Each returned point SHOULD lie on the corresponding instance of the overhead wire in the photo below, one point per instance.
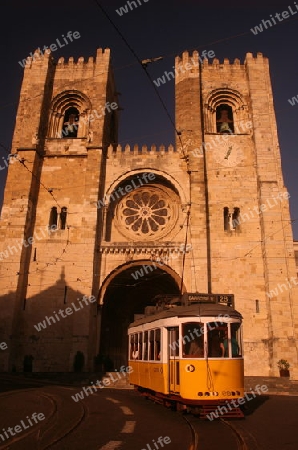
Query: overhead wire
(168, 55)
(22, 161)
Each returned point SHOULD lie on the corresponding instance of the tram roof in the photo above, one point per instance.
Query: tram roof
(195, 310)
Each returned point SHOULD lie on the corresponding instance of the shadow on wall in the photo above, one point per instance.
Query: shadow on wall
(50, 332)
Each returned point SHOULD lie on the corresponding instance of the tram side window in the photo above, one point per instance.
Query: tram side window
(193, 340)
(140, 346)
(174, 341)
(154, 345)
(151, 345)
(134, 351)
(146, 346)
(157, 346)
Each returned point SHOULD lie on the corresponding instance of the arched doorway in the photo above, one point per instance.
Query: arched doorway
(126, 296)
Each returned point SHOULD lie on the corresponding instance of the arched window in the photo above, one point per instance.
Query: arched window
(70, 123)
(236, 218)
(226, 112)
(53, 219)
(231, 220)
(224, 119)
(226, 218)
(63, 216)
(70, 115)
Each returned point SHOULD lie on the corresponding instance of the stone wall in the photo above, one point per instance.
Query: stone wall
(131, 207)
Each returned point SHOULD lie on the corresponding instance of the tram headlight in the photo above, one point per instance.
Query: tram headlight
(190, 368)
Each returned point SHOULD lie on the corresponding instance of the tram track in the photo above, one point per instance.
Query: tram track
(45, 430)
(247, 439)
(75, 424)
(35, 429)
(203, 438)
(240, 440)
(207, 436)
(204, 434)
(194, 436)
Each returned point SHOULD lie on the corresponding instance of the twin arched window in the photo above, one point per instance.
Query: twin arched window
(54, 223)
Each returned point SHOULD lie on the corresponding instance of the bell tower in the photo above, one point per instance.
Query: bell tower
(234, 157)
(66, 119)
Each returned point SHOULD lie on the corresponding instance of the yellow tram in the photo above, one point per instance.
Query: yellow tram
(189, 351)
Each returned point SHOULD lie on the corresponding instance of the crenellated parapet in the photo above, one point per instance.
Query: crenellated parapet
(39, 58)
(187, 66)
(259, 59)
(227, 67)
(102, 57)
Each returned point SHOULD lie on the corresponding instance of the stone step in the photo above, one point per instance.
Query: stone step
(275, 385)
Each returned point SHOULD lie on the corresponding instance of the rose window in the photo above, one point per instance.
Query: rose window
(146, 212)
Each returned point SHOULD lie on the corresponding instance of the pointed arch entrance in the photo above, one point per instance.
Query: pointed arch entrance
(124, 295)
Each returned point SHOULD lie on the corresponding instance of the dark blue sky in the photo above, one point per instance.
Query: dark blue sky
(155, 28)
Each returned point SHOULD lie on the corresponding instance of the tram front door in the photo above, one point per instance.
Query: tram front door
(174, 363)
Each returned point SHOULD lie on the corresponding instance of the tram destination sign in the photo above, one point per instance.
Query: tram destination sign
(197, 297)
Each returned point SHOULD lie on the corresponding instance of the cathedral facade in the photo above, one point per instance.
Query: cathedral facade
(91, 231)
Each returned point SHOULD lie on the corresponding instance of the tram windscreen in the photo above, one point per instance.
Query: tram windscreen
(224, 340)
(193, 340)
(214, 337)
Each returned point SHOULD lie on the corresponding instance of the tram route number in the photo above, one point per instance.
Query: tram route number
(224, 299)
